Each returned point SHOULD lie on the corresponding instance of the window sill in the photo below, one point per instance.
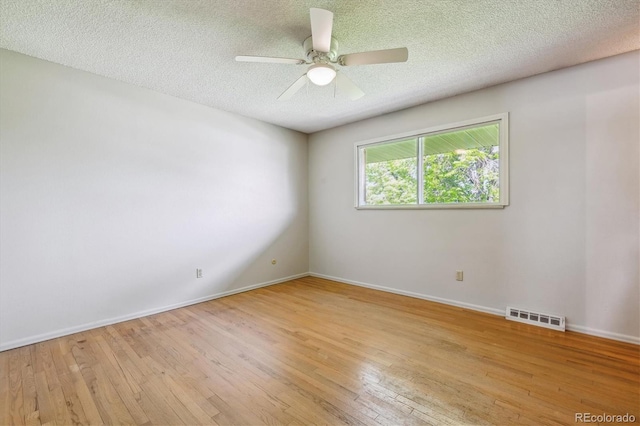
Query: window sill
(432, 206)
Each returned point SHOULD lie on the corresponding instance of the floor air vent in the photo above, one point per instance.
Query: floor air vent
(536, 318)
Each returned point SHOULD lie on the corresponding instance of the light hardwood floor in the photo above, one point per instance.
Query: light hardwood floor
(315, 351)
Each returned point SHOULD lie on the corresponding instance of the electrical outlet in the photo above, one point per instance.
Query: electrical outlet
(459, 275)
(198, 273)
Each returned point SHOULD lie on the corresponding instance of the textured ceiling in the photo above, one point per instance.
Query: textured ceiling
(187, 48)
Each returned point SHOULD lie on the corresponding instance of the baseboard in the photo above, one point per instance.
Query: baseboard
(416, 295)
(500, 312)
(70, 330)
(602, 333)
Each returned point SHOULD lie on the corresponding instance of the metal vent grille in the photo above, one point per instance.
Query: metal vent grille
(536, 318)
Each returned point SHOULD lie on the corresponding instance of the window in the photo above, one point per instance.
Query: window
(461, 165)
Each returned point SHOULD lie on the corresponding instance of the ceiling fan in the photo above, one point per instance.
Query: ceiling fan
(321, 52)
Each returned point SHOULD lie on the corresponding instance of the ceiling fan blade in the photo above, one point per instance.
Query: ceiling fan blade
(293, 89)
(347, 86)
(270, 60)
(321, 27)
(400, 54)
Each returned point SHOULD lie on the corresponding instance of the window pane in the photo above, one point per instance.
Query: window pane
(459, 165)
(390, 172)
(462, 166)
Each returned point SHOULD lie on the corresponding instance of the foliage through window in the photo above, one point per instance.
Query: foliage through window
(461, 165)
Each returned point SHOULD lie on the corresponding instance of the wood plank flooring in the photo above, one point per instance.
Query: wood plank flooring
(315, 351)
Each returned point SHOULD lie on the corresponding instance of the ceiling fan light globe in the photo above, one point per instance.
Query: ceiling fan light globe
(321, 74)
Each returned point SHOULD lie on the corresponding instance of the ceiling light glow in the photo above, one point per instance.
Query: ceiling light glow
(321, 74)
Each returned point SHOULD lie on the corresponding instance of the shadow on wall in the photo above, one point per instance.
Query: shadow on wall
(246, 205)
(113, 195)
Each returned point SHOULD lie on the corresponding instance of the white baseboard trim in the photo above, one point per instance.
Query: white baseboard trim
(84, 327)
(412, 294)
(602, 333)
(500, 312)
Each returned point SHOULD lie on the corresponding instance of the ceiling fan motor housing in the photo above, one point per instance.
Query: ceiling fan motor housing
(320, 57)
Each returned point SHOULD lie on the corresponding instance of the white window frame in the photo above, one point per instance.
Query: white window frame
(502, 119)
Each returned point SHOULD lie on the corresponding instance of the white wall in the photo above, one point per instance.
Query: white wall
(112, 195)
(567, 244)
